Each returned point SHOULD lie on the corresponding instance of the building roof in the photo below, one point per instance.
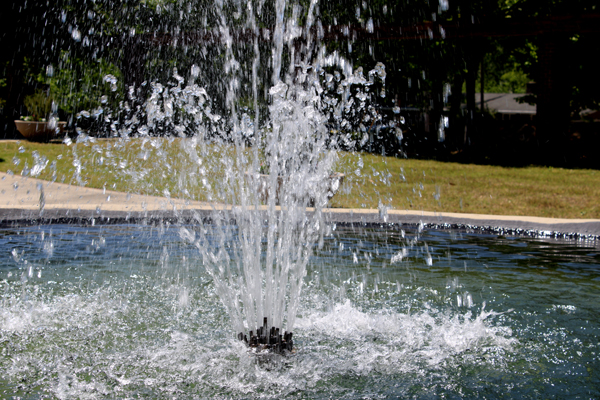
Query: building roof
(506, 103)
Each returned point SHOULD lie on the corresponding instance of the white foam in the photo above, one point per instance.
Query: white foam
(386, 339)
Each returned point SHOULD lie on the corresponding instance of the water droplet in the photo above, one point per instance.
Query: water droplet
(112, 80)
(76, 34)
(195, 71)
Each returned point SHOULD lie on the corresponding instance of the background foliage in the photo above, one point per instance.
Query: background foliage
(69, 46)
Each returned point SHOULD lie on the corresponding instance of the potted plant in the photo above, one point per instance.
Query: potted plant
(39, 125)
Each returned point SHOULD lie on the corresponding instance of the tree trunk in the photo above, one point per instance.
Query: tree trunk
(482, 85)
(133, 63)
(553, 97)
(15, 94)
(456, 135)
(471, 78)
(437, 109)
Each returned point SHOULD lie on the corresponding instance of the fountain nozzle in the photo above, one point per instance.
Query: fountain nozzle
(269, 340)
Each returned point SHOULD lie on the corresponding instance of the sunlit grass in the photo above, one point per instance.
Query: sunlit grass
(168, 167)
(467, 188)
(157, 166)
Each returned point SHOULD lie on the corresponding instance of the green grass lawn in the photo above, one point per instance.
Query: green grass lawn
(165, 167)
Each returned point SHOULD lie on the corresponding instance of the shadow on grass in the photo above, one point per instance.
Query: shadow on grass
(516, 147)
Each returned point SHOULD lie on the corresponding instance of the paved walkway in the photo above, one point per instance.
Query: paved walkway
(17, 192)
(29, 199)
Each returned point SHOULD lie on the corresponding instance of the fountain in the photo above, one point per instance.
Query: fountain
(125, 311)
(203, 303)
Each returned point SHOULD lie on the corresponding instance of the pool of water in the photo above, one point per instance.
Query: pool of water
(129, 312)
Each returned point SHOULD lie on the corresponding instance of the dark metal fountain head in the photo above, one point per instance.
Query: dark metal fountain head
(269, 340)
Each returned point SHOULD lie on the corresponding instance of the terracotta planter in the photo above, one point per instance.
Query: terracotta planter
(39, 131)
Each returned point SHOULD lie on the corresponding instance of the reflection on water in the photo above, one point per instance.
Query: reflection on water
(129, 311)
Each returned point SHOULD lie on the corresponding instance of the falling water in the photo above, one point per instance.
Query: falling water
(275, 164)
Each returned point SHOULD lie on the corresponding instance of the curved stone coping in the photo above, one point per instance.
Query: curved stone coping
(21, 199)
(586, 227)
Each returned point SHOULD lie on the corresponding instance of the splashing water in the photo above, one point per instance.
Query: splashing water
(275, 159)
(132, 311)
(115, 311)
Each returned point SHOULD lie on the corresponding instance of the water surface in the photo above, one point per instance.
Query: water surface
(129, 312)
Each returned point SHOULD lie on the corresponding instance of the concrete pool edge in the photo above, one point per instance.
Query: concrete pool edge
(27, 201)
(564, 226)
